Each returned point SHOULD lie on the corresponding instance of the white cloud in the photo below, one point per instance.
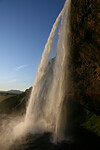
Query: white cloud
(12, 81)
(20, 67)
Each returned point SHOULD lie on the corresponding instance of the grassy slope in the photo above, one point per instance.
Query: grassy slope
(9, 104)
(91, 122)
(4, 96)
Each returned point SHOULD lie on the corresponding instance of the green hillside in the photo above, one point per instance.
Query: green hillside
(4, 96)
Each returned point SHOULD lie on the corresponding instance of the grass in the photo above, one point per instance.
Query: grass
(10, 103)
(92, 122)
(5, 96)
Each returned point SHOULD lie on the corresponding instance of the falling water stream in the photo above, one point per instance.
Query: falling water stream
(46, 101)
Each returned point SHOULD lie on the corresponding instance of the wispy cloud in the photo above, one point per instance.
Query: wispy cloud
(21, 67)
(12, 81)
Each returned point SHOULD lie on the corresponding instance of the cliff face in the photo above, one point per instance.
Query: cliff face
(85, 48)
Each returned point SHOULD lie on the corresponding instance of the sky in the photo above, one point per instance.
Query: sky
(24, 29)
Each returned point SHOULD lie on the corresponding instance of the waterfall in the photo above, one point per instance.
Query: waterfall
(44, 110)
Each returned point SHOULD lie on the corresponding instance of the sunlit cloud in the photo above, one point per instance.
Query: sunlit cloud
(20, 67)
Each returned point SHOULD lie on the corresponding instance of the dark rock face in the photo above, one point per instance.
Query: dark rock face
(85, 49)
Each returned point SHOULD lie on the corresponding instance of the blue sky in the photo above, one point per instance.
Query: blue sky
(24, 28)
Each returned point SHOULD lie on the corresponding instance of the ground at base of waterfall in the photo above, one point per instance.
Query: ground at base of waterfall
(84, 140)
(85, 137)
